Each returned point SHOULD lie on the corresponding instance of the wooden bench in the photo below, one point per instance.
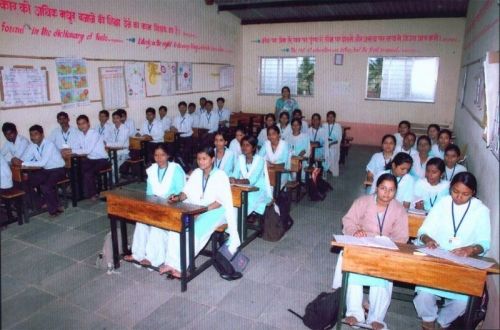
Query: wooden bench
(15, 196)
(105, 179)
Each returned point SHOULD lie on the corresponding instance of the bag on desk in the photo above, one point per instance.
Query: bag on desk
(105, 258)
(228, 265)
(322, 312)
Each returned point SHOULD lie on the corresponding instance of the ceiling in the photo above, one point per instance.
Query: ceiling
(284, 11)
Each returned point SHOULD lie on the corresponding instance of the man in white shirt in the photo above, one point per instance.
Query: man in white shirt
(5, 175)
(64, 137)
(118, 137)
(223, 113)
(129, 122)
(166, 122)
(194, 114)
(201, 110)
(90, 145)
(209, 120)
(16, 144)
(183, 125)
(104, 125)
(43, 153)
(151, 129)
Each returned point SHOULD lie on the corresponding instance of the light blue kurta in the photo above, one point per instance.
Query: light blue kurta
(475, 229)
(405, 187)
(430, 194)
(171, 184)
(319, 135)
(226, 163)
(280, 156)
(254, 173)
(287, 105)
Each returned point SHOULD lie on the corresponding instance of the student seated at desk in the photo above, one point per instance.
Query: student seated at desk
(43, 153)
(298, 142)
(460, 223)
(297, 114)
(251, 169)
(223, 113)
(209, 120)
(152, 128)
(165, 121)
(444, 141)
(319, 137)
(104, 125)
(379, 160)
(118, 137)
(16, 145)
(421, 157)
(270, 120)
(207, 186)
(433, 133)
(235, 145)
(65, 137)
(284, 125)
(400, 167)
(165, 178)
(183, 124)
(403, 128)
(276, 151)
(191, 109)
(90, 145)
(334, 134)
(129, 122)
(451, 157)
(202, 109)
(372, 215)
(408, 144)
(224, 158)
(429, 190)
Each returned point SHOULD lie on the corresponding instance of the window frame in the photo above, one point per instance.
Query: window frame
(400, 100)
(259, 93)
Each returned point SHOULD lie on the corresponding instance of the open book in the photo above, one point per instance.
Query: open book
(448, 255)
(377, 241)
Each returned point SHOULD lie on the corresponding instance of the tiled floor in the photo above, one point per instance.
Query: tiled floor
(49, 279)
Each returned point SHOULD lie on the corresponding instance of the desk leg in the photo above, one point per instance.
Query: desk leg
(469, 312)
(115, 164)
(244, 214)
(74, 178)
(277, 189)
(123, 231)
(191, 267)
(183, 258)
(114, 241)
(343, 294)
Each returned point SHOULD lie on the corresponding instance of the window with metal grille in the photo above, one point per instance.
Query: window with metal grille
(295, 72)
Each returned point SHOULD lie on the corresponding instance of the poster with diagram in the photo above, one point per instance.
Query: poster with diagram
(153, 78)
(134, 77)
(23, 86)
(168, 76)
(72, 82)
(185, 76)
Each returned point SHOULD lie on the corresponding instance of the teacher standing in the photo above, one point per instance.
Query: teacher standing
(285, 103)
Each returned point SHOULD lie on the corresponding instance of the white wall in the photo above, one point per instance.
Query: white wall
(481, 36)
(343, 88)
(197, 24)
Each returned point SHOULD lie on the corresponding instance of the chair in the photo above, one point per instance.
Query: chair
(15, 196)
(105, 179)
(296, 167)
(345, 144)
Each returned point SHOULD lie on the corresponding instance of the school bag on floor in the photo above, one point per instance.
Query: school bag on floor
(230, 266)
(277, 219)
(322, 312)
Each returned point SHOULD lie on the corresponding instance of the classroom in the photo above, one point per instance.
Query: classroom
(309, 124)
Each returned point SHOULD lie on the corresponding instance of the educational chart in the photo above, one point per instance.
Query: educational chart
(153, 79)
(185, 76)
(134, 76)
(168, 77)
(24, 86)
(226, 77)
(491, 75)
(113, 89)
(73, 83)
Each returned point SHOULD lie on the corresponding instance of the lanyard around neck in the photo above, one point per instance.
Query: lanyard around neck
(150, 127)
(455, 228)
(452, 173)
(218, 163)
(65, 136)
(381, 223)
(164, 172)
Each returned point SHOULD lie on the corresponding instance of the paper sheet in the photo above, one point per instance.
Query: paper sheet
(377, 241)
(444, 254)
(416, 211)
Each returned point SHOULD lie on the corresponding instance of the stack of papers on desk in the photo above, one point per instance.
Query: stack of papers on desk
(417, 212)
(241, 185)
(377, 241)
(444, 254)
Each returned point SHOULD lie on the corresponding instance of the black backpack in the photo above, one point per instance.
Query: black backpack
(322, 312)
(479, 309)
(276, 225)
(283, 203)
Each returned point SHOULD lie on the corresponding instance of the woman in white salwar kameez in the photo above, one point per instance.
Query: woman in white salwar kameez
(224, 158)
(299, 144)
(164, 179)
(284, 125)
(420, 159)
(235, 145)
(334, 133)
(275, 151)
(251, 169)
(207, 186)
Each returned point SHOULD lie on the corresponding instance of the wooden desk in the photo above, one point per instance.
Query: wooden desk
(275, 171)
(20, 174)
(240, 201)
(403, 266)
(139, 144)
(415, 221)
(113, 156)
(133, 206)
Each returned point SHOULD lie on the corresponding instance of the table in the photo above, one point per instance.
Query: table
(275, 172)
(138, 143)
(415, 221)
(240, 201)
(20, 174)
(113, 155)
(418, 270)
(134, 206)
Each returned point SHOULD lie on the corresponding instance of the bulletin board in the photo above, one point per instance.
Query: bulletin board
(226, 77)
(22, 85)
(112, 87)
